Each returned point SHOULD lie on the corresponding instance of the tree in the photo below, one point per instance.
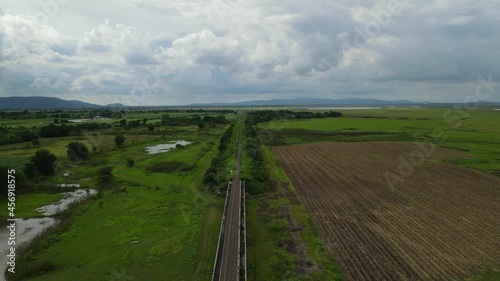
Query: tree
(77, 151)
(29, 170)
(151, 127)
(165, 119)
(130, 162)
(36, 142)
(26, 135)
(105, 176)
(44, 161)
(145, 120)
(119, 140)
(123, 122)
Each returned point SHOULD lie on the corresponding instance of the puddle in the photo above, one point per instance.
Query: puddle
(68, 185)
(161, 148)
(69, 197)
(27, 229)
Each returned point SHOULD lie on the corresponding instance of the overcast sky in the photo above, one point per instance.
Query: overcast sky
(152, 52)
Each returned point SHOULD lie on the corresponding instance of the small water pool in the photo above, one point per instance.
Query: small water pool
(161, 148)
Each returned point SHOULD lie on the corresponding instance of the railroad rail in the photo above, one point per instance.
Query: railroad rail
(230, 261)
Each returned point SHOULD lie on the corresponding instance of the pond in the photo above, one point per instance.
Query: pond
(161, 148)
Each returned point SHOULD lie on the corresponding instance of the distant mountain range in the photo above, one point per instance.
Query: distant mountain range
(22, 103)
(311, 101)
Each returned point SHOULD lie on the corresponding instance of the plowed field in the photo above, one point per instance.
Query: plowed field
(441, 223)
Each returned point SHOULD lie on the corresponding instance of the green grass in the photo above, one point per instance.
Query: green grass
(27, 203)
(269, 231)
(28, 123)
(175, 222)
(478, 134)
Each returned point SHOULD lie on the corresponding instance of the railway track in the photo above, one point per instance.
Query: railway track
(230, 261)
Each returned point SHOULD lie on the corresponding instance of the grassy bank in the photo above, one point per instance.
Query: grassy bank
(283, 243)
(27, 203)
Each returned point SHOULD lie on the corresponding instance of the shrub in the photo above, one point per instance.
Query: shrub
(105, 176)
(119, 140)
(44, 161)
(36, 142)
(77, 151)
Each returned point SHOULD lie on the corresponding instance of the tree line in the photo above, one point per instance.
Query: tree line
(269, 115)
(216, 175)
(258, 181)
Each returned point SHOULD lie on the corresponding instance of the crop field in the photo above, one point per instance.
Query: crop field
(477, 133)
(439, 221)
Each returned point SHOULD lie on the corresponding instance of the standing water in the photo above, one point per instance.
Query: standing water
(160, 148)
(27, 229)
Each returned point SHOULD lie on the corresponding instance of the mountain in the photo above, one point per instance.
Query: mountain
(115, 105)
(312, 101)
(21, 103)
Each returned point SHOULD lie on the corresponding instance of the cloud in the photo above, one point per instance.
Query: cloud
(179, 52)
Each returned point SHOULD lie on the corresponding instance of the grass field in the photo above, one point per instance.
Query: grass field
(478, 134)
(165, 225)
(155, 226)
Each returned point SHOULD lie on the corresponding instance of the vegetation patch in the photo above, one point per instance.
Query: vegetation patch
(169, 167)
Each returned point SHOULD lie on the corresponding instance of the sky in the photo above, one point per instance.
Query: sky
(178, 52)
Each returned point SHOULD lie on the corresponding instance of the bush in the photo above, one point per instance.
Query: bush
(29, 170)
(26, 135)
(52, 131)
(77, 151)
(119, 140)
(105, 176)
(44, 161)
(130, 162)
(36, 142)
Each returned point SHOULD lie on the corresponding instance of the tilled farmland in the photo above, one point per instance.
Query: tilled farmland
(440, 223)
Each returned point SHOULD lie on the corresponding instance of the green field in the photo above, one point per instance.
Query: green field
(478, 133)
(165, 225)
(27, 203)
(152, 225)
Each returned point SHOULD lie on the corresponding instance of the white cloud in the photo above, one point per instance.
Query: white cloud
(151, 51)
